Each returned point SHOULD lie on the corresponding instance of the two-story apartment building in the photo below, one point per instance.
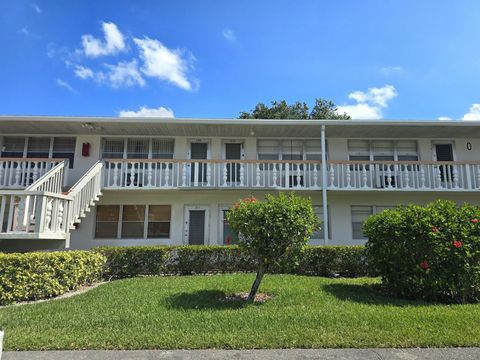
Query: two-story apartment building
(81, 182)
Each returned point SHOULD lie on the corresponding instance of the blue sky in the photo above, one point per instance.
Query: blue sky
(405, 59)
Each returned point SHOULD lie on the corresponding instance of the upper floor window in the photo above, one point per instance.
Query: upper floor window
(289, 149)
(137, 148)
(383, 150)
(39, 147)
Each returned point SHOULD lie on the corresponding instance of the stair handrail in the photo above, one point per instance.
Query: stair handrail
(53, 180)
(84, 192)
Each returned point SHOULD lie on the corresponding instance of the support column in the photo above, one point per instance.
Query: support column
(324, 187)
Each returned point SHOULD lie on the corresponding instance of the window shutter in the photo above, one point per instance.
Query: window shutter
(13, 146)
(162, 148)
(268, 150)
(113, 148)
(64, 148)
(313, 150)
(382, 150)
(137, 148)
(407, 150)
(38, 147)
(359, 150)
(292, 150)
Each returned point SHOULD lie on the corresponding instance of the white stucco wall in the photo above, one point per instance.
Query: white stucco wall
(339, 201)
(339, 206)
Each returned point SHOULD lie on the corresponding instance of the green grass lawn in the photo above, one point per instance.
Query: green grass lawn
(188, 312)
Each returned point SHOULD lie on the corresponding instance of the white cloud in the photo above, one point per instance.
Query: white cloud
(125, 74)
(164, 63)
(37, 8)
(83, 72)
(148, 112)
(27, 32)
(369, 104)
(65, 85)
(375, 96)
(473, 113)
(391, 70)
(444, 118)
(360, 111)
(229, 34)
(113, 42)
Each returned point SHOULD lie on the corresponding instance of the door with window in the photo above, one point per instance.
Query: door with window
(198, 169)
(232, 153)
(444, 152)
(196, 225)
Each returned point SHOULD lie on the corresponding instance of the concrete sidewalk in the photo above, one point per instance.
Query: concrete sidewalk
(326, 354)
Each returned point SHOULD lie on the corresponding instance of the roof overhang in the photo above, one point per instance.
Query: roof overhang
(238, 128)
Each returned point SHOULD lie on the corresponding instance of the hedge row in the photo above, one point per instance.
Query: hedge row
(348, 261)
(41, 275)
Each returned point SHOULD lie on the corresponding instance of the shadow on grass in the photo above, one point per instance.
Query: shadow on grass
(204, 299)
(369, 294)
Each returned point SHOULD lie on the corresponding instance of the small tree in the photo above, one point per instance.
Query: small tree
(269, 230)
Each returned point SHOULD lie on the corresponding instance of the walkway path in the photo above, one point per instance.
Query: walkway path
(325, 354)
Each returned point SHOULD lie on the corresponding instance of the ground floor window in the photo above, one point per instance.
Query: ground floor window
(133, 221)
(359, 214)
(319, 234)
(228, 235)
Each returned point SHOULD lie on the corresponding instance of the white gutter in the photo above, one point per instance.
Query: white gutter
(226, 121)
(324, 187)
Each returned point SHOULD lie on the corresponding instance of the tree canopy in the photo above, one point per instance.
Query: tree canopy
(323, 109)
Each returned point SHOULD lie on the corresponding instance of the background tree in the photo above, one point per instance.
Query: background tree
(323, 109)
(270, 230)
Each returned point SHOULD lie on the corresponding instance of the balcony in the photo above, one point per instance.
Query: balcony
(211, 174)
(295, 175)
(18, 173)
(403, 175)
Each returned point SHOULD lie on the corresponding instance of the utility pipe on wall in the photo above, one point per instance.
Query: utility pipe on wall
(324, 187)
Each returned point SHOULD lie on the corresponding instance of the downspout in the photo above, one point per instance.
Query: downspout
(324, 188)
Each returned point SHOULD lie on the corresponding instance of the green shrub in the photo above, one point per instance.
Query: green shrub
(273, 230)
(184, 260)
(347, 261)
(41, 275)
(430, 252)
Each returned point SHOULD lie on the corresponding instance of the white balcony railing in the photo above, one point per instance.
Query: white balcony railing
(18, 173)
(33, 214)
(301, 175)
(403, 175)
(132, 174)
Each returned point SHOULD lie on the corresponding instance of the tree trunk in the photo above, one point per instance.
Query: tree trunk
(256, 284)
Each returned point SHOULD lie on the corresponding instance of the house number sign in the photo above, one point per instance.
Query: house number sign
(469, 146)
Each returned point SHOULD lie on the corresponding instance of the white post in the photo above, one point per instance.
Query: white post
(324, 187)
